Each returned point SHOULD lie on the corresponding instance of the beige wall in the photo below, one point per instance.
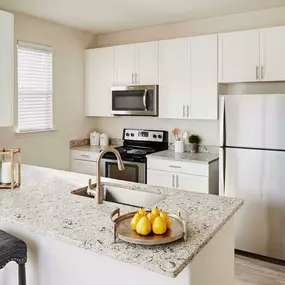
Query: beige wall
(51, 149)
(207, 129)
(235, 22)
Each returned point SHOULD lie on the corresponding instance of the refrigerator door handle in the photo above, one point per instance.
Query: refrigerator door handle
(222, 121)
(222, 172)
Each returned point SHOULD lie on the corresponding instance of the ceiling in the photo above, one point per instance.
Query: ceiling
(103, 16)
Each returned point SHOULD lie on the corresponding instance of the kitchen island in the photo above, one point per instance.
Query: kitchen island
(70, 239)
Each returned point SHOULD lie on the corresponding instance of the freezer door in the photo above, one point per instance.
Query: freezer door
(253, 121)
(258, 178)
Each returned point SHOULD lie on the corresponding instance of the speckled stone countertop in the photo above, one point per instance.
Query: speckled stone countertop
(185, 156)
(92, 148)
(44, 205)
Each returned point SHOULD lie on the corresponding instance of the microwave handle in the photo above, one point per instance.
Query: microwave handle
(144, 100)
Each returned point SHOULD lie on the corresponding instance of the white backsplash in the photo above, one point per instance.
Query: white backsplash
(207, 129)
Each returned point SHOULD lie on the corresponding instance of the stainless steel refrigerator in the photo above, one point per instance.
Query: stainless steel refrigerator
(252, 167)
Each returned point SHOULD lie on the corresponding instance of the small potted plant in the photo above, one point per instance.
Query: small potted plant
(194, 141)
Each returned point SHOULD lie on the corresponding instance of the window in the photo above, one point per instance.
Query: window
(35, 88)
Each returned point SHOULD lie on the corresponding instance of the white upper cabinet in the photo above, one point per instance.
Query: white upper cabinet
(136, 64)
(250, 56)
(272, 59)
(125, 64)
(239, 57)
(204, 77)
(99, 78)
(147, 63)
(6, 68)
(188, 78)
(174, 78)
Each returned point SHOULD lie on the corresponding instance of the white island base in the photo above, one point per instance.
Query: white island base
(52, 262)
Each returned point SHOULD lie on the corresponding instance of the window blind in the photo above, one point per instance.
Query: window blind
(35, 88)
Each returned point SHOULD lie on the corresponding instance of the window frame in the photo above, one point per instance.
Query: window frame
(43, 48)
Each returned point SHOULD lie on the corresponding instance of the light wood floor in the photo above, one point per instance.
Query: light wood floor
(250, 271)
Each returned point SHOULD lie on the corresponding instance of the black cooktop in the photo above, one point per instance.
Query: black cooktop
(136, 154)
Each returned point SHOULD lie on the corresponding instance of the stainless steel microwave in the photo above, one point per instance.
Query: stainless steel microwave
(139, 100)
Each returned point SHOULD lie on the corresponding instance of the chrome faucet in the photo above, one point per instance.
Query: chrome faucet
(99, 194)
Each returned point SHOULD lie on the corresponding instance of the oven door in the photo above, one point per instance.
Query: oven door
(133, 172)
(135, 100)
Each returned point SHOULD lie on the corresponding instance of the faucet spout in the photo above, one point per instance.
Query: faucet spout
(99, 193)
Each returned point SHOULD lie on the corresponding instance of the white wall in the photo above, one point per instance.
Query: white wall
(51, 149)
(207, 129)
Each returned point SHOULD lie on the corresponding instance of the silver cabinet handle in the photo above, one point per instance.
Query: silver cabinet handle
(187, 110)
(133, 78)
(172, 180)
(176, 181)
(183, 111)
(144, 100)
(85, 155)
(262, 72)
(174, 166)
(136, 78)
(257, 72)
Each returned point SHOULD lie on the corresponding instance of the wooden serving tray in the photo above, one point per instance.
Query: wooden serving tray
(123, 230)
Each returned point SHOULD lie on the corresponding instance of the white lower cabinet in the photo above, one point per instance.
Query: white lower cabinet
(183, 175)
(84, 162)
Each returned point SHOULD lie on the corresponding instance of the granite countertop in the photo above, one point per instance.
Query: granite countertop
(92, 148)
(44, 205)
(185, 156)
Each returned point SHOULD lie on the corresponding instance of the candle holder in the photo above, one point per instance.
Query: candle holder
(10, 161)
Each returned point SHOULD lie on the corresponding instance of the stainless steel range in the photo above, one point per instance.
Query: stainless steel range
(137, 145)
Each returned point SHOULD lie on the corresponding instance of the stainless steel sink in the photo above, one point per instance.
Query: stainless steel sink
(119, 195)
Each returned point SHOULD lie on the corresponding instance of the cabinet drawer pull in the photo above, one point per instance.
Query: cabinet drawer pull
(187, 110)
(183, 111)
(133, 78)
(174, 166)
(85, 155)
(176, 181)
(172, 180)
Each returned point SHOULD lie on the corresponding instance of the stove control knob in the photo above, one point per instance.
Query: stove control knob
(127, 134)
(154, 136)
(132, 134)
(160, 136)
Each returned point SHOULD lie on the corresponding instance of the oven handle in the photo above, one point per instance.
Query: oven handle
(144, 100)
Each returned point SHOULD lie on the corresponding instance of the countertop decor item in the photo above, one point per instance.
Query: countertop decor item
(194, 141)
(123, 230)
(10, 172)
(95, 139)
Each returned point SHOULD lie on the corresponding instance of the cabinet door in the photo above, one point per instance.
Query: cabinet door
(272, 60)
(174, 78)
(239, 56)
(99, 78)
(160, 178)
(85, 167)
(193, 183)
(6, 68)
(204, 77)
(147, 63)
(125, 64)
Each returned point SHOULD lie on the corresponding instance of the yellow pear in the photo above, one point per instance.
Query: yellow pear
(135, 220)
(159, 226)
(155, 211)
(142, 212)
(144, 226)
(151, 217)
(166, 218)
